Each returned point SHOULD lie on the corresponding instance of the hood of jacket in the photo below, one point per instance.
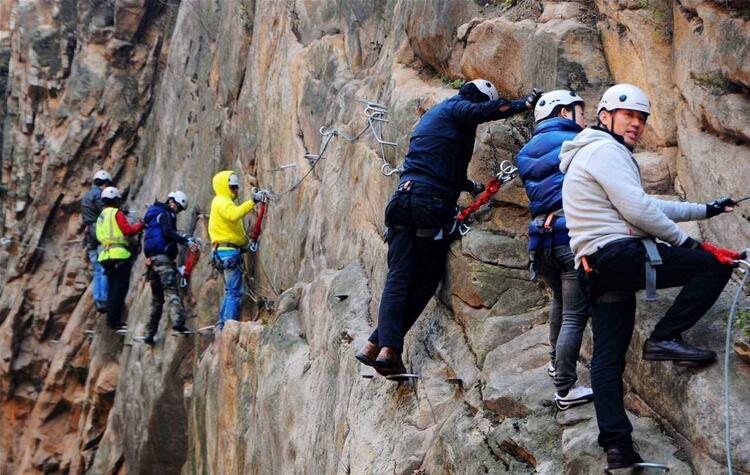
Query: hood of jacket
(221, 184)
(587, 137)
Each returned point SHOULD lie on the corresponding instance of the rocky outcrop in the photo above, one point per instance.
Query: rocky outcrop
(167, 93)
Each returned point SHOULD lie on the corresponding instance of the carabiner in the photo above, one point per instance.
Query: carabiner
(391, 172)
(463, 229)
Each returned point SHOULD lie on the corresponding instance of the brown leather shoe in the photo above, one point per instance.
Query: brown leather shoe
(367, 354)
(389, 362)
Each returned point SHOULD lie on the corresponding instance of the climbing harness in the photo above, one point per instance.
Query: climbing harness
(727, 375)
(653, 259)
(507, 173)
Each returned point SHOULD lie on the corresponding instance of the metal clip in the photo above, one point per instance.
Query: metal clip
(392, 170)
(463, 229)
(508, 171)
(253, 246)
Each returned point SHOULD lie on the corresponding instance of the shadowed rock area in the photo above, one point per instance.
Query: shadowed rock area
(164, 94)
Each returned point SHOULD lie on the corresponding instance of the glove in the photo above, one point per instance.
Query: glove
(533, 97)
(691, 243)
(717, 207)
(476, 188)
(725, 256)
(193, 243)
(259, 195)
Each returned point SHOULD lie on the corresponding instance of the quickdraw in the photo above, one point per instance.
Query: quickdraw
(190, 261)
(507, 173)
(258, 227)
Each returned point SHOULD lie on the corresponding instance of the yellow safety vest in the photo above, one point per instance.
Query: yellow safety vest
(114, 244)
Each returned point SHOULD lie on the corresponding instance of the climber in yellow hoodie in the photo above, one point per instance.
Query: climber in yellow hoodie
(228, 238)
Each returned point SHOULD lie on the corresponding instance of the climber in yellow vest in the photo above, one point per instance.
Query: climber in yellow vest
(228, 238)
(112, 230)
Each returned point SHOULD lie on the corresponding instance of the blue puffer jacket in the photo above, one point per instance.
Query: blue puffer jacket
(539, 167)
(161, 235)
(441, 145)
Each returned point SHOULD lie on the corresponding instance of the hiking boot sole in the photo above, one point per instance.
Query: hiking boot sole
(362, 358)
(565, 405)
(673, 357)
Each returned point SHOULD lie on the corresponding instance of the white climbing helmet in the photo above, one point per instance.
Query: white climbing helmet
(111, 193)
(486, 88)
(552, 99)
(102, 175)
(180, 198)
(234, 180)
(624, 96)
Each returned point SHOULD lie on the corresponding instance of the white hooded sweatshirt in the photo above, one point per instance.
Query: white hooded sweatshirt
(604, 200)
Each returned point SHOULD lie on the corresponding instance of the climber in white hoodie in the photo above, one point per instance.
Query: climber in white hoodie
(612, 224)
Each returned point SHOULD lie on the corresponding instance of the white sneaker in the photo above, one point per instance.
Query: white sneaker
(550, 370)
(575, 397)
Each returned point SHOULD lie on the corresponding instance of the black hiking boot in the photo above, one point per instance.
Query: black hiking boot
(675, 350)
(622, 457)
(180, 327)
(149, 339)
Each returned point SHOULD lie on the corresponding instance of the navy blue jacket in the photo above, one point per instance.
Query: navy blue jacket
(441, 145)
(539, 166)
(161, 235)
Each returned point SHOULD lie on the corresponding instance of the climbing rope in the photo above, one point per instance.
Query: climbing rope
(727, 374)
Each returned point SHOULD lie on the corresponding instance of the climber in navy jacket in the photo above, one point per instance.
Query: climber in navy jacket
(160, 246)
(559, 117)
(434, 174)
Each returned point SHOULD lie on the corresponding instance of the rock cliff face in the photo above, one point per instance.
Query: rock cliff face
(166, 93)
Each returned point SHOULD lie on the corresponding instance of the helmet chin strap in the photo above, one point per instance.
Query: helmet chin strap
(611, 130)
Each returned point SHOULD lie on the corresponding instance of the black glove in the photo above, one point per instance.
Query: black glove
(716, 207)
(476, 188)
(533, 97)
(691, 243)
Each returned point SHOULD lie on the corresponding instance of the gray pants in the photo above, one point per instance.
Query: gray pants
(568, 313)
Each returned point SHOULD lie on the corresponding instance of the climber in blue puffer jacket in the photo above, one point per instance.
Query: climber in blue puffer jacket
(559, 117)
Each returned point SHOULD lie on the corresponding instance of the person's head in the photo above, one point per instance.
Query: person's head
(111, 196)
(560, 103)
(177, 201)
(102, 179)
(479, 90)
(623, 111)
(234, 185)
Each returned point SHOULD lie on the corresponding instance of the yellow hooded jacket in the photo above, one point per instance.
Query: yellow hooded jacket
(225, 221)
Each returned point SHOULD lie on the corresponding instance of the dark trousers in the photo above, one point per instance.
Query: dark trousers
(118, 280)
(620, 267)
(568, 312)
(415, 264)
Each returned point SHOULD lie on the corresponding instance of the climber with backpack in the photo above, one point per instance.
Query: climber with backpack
(229, 239)
(422, 210)
(160, 247)
(612, 225)
(91, 207)
(112, 232)
(559, 117)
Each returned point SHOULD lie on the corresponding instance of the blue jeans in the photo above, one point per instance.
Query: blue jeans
(99, 280)
(568, 313)
(230, 307)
